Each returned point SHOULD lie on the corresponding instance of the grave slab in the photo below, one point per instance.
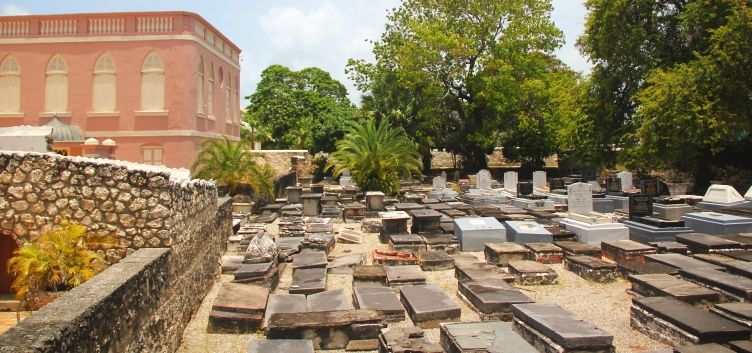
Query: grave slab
(741, 268)
(277, 346)
(699, 243)
(733, 288)
(715, 259)
(645, 268)
(435, 260)
(545, 253)
(626, 250)
(671, 321)
(344, 264)
(284, 303)
(314, 259)
(397, 276)
(428, 305)
(492, 299)
(665, 247)
(383, 299)
(591, 268)
(550, 328)
(740, 346)
(704, 348)
(664, 285)
(369, 276)
(501, 253)
(330, 300)
(681, 261)
(743, 255)
(741, 313)
(446, 242)
(393, 258)
(717, 223)
(308, 281)
(238, 308)
(409, 243)
(474, 233)
(528, 272)
(406, 340)
(527, 232)
(572, 248)
(327, 329)
(263, 274)
(489, 336)
(481, 271)
(744, 240)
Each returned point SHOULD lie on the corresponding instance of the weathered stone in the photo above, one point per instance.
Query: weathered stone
(404, 275)
(490, 336)
(314, 259)
(406, 340)
(284, 303)
(545, 253)
(478, 272)
(681, 261)
(660, 285)
(528, 272)
(428, 305)
(328, 329)
(706, 348)
(261, 249)
(20, 205)
(591, 268)
(280, 346)
(578, 248)
(406, 243)
(393, 258)
(330, 300)
(501, 253)
(238, 308)
(492, 299)
(733, 288)
(435, 260)
(626, 250)
(101, 193)
(369, 276)
(700, 243)
(644, 268)
(383, 299)
(554, 329)
(260, 274)
(308, 281)
(350, 236)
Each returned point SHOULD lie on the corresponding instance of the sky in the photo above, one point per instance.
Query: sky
(295, 33)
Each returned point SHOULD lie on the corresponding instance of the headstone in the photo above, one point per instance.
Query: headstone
(524, 188)
(439, 183)
(375, 200)
(539, 180)
(595, 186)
(336, 299)
(487, 336)
(261, 249)
(640, 206)
(724, 194)
(510, 182)
(409, 243)
(262, 274)
(626, 181)
(649, 187)
(484, 180)
(276, 346)
(579, 199)
(613, 186)
(670, 247)
(293, 194)
(428, 305)
(557, 184)
(383, 299)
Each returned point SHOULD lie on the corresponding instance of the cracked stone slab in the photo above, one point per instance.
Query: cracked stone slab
(406, 340)
(308, 281)
(336, 299)
(561, 326)
(314, 259)
(487, 336)
(344, 264)
(428, 305)
(481, 271)
(660, 285)
(327, 329)
(492, 299)
(383, 299)
(404, 275)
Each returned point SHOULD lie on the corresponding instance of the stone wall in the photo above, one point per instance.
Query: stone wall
(143, 309)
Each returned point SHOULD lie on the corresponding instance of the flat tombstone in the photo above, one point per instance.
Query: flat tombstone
(738, 288)
(580, 199)
(308, 281)
(722, 194)
(487, 336)
(330, 300)
(238, 308)
(383, 299)
(428, 305)
(492, 298)
(539, 179)
(284, 303)
(439, 182)
(626, 180)
(681, 261)
(344, 264)
(404, 275)
(649, 187)
(524, 188)
(557, 184)
(510, 181)
(640, 206)
(665, 285)
(484, 179)
(276, 346)
(561, 326)
(309, 260)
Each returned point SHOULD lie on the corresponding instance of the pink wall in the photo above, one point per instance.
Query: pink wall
(179, 45)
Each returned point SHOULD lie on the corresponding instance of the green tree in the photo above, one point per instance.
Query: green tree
(456, 58)
(301, 109)
(376, 155)
(231, 164)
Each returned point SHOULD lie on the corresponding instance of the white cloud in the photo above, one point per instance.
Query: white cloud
(570, 18)
(13, 10)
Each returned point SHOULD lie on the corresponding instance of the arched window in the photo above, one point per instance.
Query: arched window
(210, 96)
(10, 86)
(56, 86)
(152, 83)
(200, 86)
(103, 97)
(228, 94)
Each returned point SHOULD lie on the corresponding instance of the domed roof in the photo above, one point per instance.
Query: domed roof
(62, 132)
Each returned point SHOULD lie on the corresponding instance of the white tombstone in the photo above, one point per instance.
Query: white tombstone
(510, 182)
(626, 180)
(748, 195)
(484, 179)
(579, 199)
(439, 183)
(539, 179)
(723, 194)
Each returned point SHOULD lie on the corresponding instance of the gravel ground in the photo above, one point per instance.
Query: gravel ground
(604, 305)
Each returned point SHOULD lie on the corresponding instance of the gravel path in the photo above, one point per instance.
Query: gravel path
(604, 305)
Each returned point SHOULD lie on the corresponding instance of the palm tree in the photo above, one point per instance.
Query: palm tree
(230, 165)
(376, 154)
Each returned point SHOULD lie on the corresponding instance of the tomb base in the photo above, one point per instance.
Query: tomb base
(645, 233)
(595, 233)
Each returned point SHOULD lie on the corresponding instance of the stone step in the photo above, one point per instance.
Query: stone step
(383, 299)
(660, 285)
(736, 288)
(527, 272)
(677, 323)
(553, 329)
(492, 299)
(428, 305)
(488, 336)
(591, 268)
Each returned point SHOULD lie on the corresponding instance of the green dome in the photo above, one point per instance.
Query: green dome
(62, 132)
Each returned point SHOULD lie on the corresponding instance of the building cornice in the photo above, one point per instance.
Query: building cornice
(160, 133)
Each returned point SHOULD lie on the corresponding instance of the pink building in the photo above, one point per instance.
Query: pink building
(157, 83)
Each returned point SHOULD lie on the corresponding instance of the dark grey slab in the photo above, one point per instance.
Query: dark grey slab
(741, 268)
(284, 303)
(492, 296)
(741, 310)
(670, 247)
(401, 275)
(644, 268)
(741, 346)
(487, 336)
(383, 299)
(481, 271)
(578, 248)
(309, 260)
(591, 262)
(336, 299)
(703, 348)
(561, 326)
(428, 303)
(655, 285)
(248, 271)
(681, 261)
(308, 281)
(344, 264)
(706, 326)
(736, 285)
(278, 346)
(744, 255)
(703, 243)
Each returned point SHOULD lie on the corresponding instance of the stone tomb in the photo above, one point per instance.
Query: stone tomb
(572, 248)
(428, 305)
(626, 250)
(481, 271)
(671, 321)
(665, 247)
(392, 222)
(664, 285)
(284, 303)
(311, 204)
(446, 242)
(435, 260)
(308, 281)
(488, 336)
(328, 329)
(318, 242)
(644, 268)
(397, 276)
(263, 274)
(717, 223)
(474, 233)
(671, 209)
(741, 313)
(410, 243)
(591, 268)
(425, 221)
(369, 276)
(238, 308)
(590, 227)
(528, 273)
(733, 288)
(492, 299)
(527, 232)
(330, 300)
(501, 253)
(699, 243)
(550, 328)
(681, 261)
(383, 299)
(354, 211)
(375, 200)
(406, 340)
(545, 253)
(720, 196)
(277, 346)
(314, 259)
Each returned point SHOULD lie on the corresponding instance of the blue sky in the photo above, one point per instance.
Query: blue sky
(295, 33)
